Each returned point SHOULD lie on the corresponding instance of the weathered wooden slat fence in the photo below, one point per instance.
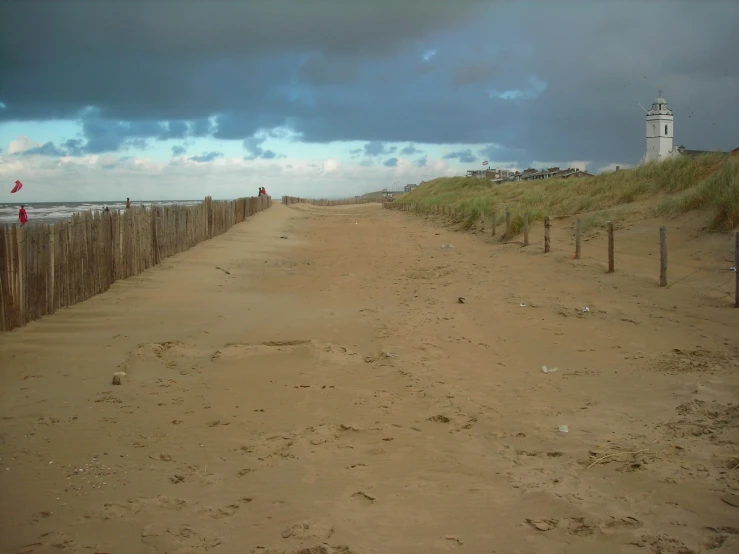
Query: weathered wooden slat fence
(44, 267)
(287, 200)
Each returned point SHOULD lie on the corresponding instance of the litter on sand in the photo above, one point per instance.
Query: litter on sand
(585, 309)
(447, 246)
(523, 305)
(564, 429)
(546, 369)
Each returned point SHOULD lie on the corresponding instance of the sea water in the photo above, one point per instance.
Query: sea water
(51, 212)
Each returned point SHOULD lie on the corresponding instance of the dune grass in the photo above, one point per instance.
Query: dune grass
(708, 182)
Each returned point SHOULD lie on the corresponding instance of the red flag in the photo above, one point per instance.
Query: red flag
(18, 186)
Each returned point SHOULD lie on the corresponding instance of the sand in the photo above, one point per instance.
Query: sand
(310, 382)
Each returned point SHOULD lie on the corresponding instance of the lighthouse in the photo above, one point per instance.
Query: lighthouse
(659, 131)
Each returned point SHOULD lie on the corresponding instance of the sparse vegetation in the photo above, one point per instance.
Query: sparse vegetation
(709, 182)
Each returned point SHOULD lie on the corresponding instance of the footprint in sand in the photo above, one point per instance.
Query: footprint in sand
(308, 530)
(164, 539)
(364, 498)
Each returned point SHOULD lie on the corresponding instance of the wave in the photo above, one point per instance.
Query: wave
(50, 213)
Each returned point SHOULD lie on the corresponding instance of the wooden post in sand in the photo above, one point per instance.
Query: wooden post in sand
(50, 294)
(547, 242)
(525, 229)
(492, 223)
(611, 263)
(507, 224)
(578, 238)
(21, 250)
(736, 271)
(663, 256)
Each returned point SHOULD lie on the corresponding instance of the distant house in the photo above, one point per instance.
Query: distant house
(530, 174)
(492, 174)
(477, 173)
(409, 187)
(575, 174)
(569, 173)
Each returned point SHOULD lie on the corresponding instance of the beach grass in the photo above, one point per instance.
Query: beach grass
(709, 182)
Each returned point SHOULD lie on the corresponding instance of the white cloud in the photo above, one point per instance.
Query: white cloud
(331, 166)
(21, 144)
(108, 177)
(581, 165)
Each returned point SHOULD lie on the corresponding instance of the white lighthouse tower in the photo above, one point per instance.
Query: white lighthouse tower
(659, 131)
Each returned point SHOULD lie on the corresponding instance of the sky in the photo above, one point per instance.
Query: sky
(163, 99)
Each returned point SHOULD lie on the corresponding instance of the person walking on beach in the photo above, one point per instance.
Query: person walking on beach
(128, 203)
(22, 215)
(260, 191)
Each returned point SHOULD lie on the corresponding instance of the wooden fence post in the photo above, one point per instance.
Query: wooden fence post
(154, 241)
(611, 263)
(21, 276)
(50, 308)
(736, 271)
(547, 242)
(492, 222)
(578, 238)
(507, 224)
(663, 256)
(525, 229)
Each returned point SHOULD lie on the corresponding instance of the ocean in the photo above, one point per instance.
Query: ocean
(51, 212)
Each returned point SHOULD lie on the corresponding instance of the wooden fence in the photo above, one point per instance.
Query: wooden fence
(44, 267)
(458, 214)
(287, 200)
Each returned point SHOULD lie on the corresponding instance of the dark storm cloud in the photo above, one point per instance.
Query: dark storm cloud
(496, 153)
(465, 156)
(253, 146)
(377, 148)
(46, 149)
(183, 60)
(207, 157)
(71, 147)
(546, 80)
(390, 162)
(410, 150)
(319, 69)
(174, 130)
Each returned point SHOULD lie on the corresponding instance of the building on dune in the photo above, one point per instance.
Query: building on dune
(660, 134)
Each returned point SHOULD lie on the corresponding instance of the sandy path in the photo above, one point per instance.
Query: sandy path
(329, 394)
